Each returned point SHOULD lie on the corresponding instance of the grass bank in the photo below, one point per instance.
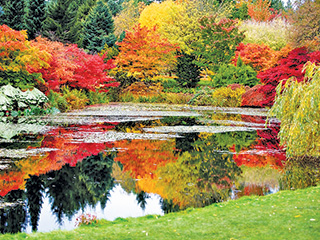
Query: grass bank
(284, 215)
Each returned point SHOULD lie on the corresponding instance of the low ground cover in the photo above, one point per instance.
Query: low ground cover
(283, 215)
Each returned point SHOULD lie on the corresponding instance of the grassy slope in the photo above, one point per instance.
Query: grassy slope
(284, 215)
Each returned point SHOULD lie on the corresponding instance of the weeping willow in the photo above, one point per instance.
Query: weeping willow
(297, 106)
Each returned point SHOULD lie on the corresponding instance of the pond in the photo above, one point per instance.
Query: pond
(129, 160)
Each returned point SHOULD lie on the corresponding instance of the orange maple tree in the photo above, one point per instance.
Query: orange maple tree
(259, 10)
(260, 56)
(144, 53)
(143, 157)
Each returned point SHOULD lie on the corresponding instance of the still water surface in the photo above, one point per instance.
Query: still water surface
(129, 160)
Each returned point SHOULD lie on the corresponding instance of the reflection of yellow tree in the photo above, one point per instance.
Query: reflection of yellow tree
(124, 178)
(196, 179)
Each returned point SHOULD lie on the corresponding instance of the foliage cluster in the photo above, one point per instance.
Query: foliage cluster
(218, 42)
(144, 53)
(306, 25)
(220, 97)
(230, 74)
(291, 66)
(274, 34)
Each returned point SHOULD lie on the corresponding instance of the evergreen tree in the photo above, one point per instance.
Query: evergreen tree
(187, 71)
(14, 14)
(115, 6)
(98, 28)
(277, 5)
(76, 30)
(35, 17)
(61, 16)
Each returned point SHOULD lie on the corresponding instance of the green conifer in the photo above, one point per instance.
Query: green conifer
(61, 16)
(98, 28)
(187, 71)
(35, 16)
(14, 14)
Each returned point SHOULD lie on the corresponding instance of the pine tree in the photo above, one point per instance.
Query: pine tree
(14, 14)
(188, 72)
(61, 15)
(76, 30)
(115, 6)
(98, 28)
(35, 17)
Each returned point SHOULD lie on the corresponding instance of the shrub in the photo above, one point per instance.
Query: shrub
(168, 83)
(76, 99)
(259, 10)
(240, 12)
(258, 56)
(187, 71)
(274, 34)
(56, 100)
(230, 74)
(97, 97)
(220, 97)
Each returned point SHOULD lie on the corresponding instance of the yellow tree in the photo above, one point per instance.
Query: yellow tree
(128, 17)
(178, 21)
(144, 53)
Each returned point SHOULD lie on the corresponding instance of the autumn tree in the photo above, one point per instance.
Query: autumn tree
(178, 21)
(259, 10)
(144, 53)
(217, 43)
(291, 66)
(306, 25)
(35, 17)
(259, 56)
(17, 57)
(98, 28)
(128, 17)
(73, 67)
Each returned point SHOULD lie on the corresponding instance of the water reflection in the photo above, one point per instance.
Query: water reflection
(76, 167)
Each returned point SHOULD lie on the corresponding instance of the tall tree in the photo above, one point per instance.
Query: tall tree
(35, 17)
(14, 14)
(144, 53)
(61, 15)
(98, 28)
(115, 6)
(218, 42)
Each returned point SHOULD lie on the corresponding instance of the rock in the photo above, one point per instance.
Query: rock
(253, 97)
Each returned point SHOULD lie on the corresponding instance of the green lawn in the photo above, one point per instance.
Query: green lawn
(284, 215)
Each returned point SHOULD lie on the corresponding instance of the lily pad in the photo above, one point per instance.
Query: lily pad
(196, 129)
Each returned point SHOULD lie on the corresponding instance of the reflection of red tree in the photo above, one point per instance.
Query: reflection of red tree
(267, 151)
(66, 148)
(143, 157)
